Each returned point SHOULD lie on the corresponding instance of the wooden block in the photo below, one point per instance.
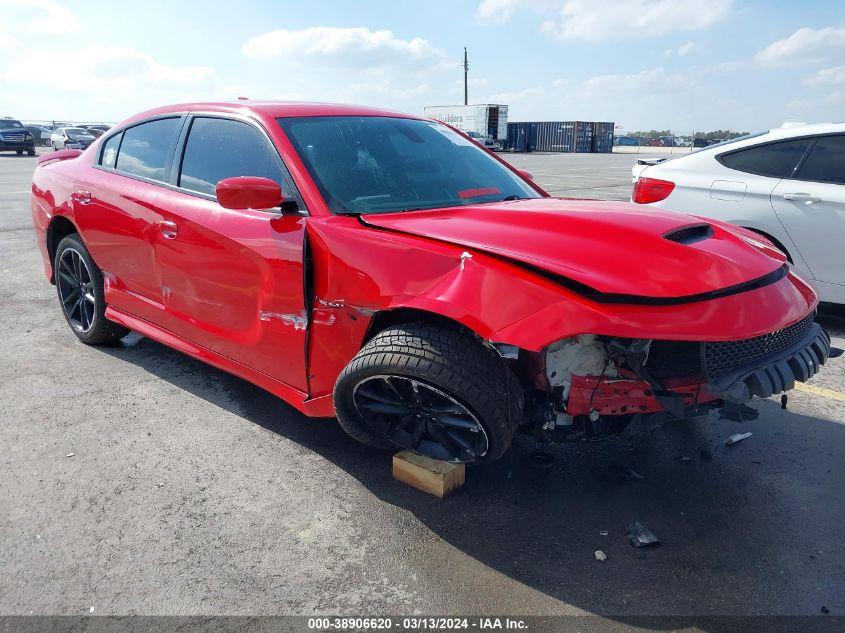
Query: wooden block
(429, 475)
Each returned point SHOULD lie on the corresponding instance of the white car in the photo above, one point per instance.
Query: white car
(786, 184)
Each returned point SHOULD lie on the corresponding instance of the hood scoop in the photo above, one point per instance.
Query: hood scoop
(690, 234)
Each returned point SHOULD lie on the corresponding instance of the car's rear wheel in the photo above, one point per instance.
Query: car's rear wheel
(436, 391)
(79, 284)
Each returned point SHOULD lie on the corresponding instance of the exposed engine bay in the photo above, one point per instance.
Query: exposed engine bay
(591, 387)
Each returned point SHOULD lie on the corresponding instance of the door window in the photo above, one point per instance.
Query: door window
(826, 163)
(776, 160)
(222, 148)
(147, 149)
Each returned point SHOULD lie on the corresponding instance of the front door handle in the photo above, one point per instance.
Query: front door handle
(168, 229)
(801, 197)
(83, 197)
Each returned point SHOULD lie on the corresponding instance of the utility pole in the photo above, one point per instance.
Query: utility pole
(466, 84)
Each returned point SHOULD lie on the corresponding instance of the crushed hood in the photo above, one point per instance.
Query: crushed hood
(611, 247)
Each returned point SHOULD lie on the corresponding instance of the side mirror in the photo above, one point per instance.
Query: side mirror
(525, 174)
(249, 192)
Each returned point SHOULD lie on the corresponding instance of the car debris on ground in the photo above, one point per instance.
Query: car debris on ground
(600, 555)
(736, 438)
(640, 536)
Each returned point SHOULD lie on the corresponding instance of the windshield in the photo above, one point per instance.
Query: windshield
(385, 164)
(77, 131)
(9, 123)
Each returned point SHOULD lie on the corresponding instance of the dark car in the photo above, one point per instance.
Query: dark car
(40, 134)
(15, 137)
(71, 138)
(96, 130)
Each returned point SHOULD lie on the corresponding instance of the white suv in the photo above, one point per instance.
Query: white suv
(787, 184)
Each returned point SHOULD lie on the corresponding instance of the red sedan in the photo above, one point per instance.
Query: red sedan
(387, 270)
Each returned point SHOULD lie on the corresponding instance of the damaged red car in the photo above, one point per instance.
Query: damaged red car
(387, 270)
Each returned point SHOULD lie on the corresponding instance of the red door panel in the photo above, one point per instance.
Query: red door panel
(118, 226)
(232, 281)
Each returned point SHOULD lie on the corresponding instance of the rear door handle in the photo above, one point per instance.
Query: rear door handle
(801, 197)
(168, 229)
(83, 197)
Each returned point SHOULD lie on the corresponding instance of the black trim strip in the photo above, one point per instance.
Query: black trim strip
(592, 294)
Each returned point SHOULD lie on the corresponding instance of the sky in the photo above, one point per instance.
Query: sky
(645, 64)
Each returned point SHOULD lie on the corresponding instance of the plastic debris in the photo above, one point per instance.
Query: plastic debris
(640, 536)
(70, 454)
(604, 532)
(686, 458)
(736, 438)
(600, 555)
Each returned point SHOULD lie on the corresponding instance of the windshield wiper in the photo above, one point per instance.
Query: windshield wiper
(511, 197)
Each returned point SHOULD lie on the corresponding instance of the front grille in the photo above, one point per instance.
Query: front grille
(674, 359)
(12, 138)
(720, 359)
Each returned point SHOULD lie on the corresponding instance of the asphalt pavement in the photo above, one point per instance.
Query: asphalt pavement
(136, 480)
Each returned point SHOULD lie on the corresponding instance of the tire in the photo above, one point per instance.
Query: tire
(30, 152)
(53, 145)
(19, 152)
(79, 286)
(443, 368)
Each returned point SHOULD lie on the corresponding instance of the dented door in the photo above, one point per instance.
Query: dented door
(232, 282)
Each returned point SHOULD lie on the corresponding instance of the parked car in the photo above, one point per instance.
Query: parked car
(14, 137)
(41, 135)
(385, 269)
(71, 138)
(626, 141)
(96, 130)
(787, 185)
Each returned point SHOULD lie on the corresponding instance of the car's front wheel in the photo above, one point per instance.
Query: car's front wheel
(79, 284)
(434, 390)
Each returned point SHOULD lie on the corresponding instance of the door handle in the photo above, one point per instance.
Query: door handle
(168, 229)
(83, 197)
(801, 197)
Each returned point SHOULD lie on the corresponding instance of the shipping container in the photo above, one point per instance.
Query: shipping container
(603, 137)
(488, 119)
(560, 136)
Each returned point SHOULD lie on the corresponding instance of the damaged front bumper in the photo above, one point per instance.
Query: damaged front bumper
(639, 376)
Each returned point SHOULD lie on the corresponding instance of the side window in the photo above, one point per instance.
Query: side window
(147, 148)
(777, 160)
(222, 148)
(826, 163)
(109, 155)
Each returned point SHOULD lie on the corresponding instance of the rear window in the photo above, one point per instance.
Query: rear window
(110, 147)
(776, 160)
(147, 149)
(826, 163)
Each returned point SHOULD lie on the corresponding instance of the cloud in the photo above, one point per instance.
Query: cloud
(804, 46)
(337, 47)
(96, 67)
(685, 49)
(37, 16)
(827, 76)
(597, 20)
